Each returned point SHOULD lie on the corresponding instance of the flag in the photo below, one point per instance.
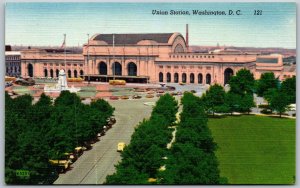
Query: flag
(64, 42)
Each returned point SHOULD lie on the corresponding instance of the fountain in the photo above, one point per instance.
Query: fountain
(61, 85)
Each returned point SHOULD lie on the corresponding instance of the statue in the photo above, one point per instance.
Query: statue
(62, 84)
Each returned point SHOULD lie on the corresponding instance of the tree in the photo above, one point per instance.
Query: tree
(279, 102)
(288, 87)
(36, 133)
(166, 106)
(270, 93)
(232, 101)
(190, 165)
(215, 98)
(267, 81)
(126, 175)
(246, 103)
(142, 158)
(242, 83)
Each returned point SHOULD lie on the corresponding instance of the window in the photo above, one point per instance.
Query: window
(161, 77)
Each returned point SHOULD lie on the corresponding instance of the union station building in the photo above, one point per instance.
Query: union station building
(148, 58)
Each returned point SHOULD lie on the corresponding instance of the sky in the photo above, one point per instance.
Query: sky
(44, 24)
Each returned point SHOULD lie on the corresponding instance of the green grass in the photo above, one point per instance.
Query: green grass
(88, 88)
(255, 149)
(86, 93)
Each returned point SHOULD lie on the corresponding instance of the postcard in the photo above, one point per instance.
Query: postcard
(142, 93)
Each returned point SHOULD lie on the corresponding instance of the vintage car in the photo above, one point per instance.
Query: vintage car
(61, 165)
(124, 97)
(136, 97)
(113, 97)
(25, 81)
(121, 146)
(149, 96)
(117, 82)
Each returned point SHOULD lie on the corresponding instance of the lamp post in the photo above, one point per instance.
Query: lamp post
(114, 56)
(88, 36)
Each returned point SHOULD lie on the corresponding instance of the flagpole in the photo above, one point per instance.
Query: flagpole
(65, 36)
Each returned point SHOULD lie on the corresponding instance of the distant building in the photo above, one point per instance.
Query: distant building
(13, 63)
(48, 63)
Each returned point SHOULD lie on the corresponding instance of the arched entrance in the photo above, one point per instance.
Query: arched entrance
(192, 78)
(75, 73)
(51, 73)
(183, 76)
(102, 68)
(116, 68)
(176, 77)
(161, 77)
(30, 70)
(208, 79)
(200, 78)
(168, 77)
(45, 73)
(227, 74)
(57, 73)
(81, 73)
(132, 69)
(69, 73)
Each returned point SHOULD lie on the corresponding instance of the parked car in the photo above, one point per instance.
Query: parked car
(292, 107)
(121, 146)
(8, 84)
(25, 81)
(60, 165)
(136, 97)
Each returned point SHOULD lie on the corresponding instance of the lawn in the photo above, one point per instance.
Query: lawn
(255, 149)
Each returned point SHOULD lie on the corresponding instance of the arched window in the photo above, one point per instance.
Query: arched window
(75, 73)
(192, 78)
(176, 77)
(183, 76)
(69, 73)
(116, 68)
(51, 73)
(45, 73)
(227, 74)
(178, 48)
(57, 73)
(30, 70)
(161, 77)
(102, 68)
(168, 77)
(208, 79)
(131, 68)
(200, 78)
(81, 73)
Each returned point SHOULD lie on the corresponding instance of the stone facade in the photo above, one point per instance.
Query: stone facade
(153, 58)
(39, 63)
(13, 63)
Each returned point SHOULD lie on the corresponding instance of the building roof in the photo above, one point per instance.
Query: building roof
(12, 53)
(122, 39)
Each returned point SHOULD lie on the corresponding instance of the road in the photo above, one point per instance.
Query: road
(94, 165)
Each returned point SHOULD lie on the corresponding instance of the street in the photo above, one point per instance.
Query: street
(94, 165)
